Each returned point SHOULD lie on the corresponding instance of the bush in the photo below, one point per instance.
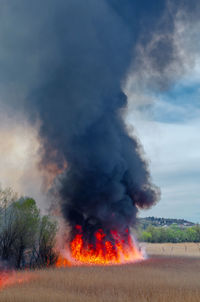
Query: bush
(172, 234)
(26, 238)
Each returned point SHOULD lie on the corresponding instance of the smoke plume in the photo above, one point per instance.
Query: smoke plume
(65, 62)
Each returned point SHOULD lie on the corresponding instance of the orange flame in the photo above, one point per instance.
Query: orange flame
(103, 252)
(62, 262)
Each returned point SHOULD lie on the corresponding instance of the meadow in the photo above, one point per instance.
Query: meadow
(158, 279)
(173, 249)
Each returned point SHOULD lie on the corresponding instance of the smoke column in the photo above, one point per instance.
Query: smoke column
(80, 108)
(64, 63)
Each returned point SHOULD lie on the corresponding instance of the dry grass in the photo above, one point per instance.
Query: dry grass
(173, 249)
(155, 280)
(159, 279)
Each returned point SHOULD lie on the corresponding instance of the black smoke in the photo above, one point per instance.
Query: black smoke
(81, 105)
(65, 63)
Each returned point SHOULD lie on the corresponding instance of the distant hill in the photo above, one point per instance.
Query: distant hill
(163, 222)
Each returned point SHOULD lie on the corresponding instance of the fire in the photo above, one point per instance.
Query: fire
(62, 262)
(8, 278)
(117, 249)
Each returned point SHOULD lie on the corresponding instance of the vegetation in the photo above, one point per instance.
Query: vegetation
(186, 249)
(26, 238)
(155, 280)
(173, 233)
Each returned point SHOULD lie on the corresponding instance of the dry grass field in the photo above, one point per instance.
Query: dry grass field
(158, 279)
(173, 249)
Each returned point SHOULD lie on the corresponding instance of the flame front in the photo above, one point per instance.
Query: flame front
(117, 250)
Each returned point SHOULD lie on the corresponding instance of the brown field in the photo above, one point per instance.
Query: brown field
(173, 249)
(158, 279)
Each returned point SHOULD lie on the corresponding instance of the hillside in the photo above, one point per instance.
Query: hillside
(163, 222)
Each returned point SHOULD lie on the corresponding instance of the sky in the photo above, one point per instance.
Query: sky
(170, 138)
(168, 125)
(163, 112)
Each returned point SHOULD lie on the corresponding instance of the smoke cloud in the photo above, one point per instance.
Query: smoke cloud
(65, 63)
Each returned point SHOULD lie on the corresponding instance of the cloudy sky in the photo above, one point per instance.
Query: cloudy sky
(168, 124)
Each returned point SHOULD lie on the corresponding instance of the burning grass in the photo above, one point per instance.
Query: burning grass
(10, 278)
(154, 280)
(102, 250)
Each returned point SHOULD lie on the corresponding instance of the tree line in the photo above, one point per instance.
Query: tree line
(173, 233)
(27, 239)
